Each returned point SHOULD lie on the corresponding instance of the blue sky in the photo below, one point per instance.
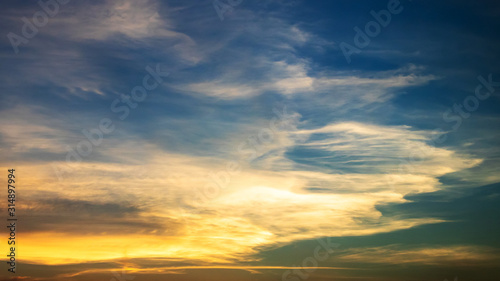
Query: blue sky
(255, 137)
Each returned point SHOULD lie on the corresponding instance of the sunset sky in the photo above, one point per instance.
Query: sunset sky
(251, 140)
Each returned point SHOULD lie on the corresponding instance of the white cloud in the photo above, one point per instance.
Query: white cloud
(260, 206)
(134, 19)
(292, 78)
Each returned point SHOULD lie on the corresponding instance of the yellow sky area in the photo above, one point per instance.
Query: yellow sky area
(255, 207)
(226, 230)
(58, 248)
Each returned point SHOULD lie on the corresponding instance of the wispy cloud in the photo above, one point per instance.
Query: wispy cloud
(361, 140)
(394, 254)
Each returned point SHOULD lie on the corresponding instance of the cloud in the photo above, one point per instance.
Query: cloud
(133, 19)
(264, 205)
(371, 148)
(27, 130)
(292, 78)
(48, 212)
(460, 255)
(138, 194)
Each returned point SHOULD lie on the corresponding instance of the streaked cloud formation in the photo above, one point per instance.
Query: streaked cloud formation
(357, 162)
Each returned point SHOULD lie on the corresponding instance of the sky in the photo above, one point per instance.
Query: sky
(251, 140)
